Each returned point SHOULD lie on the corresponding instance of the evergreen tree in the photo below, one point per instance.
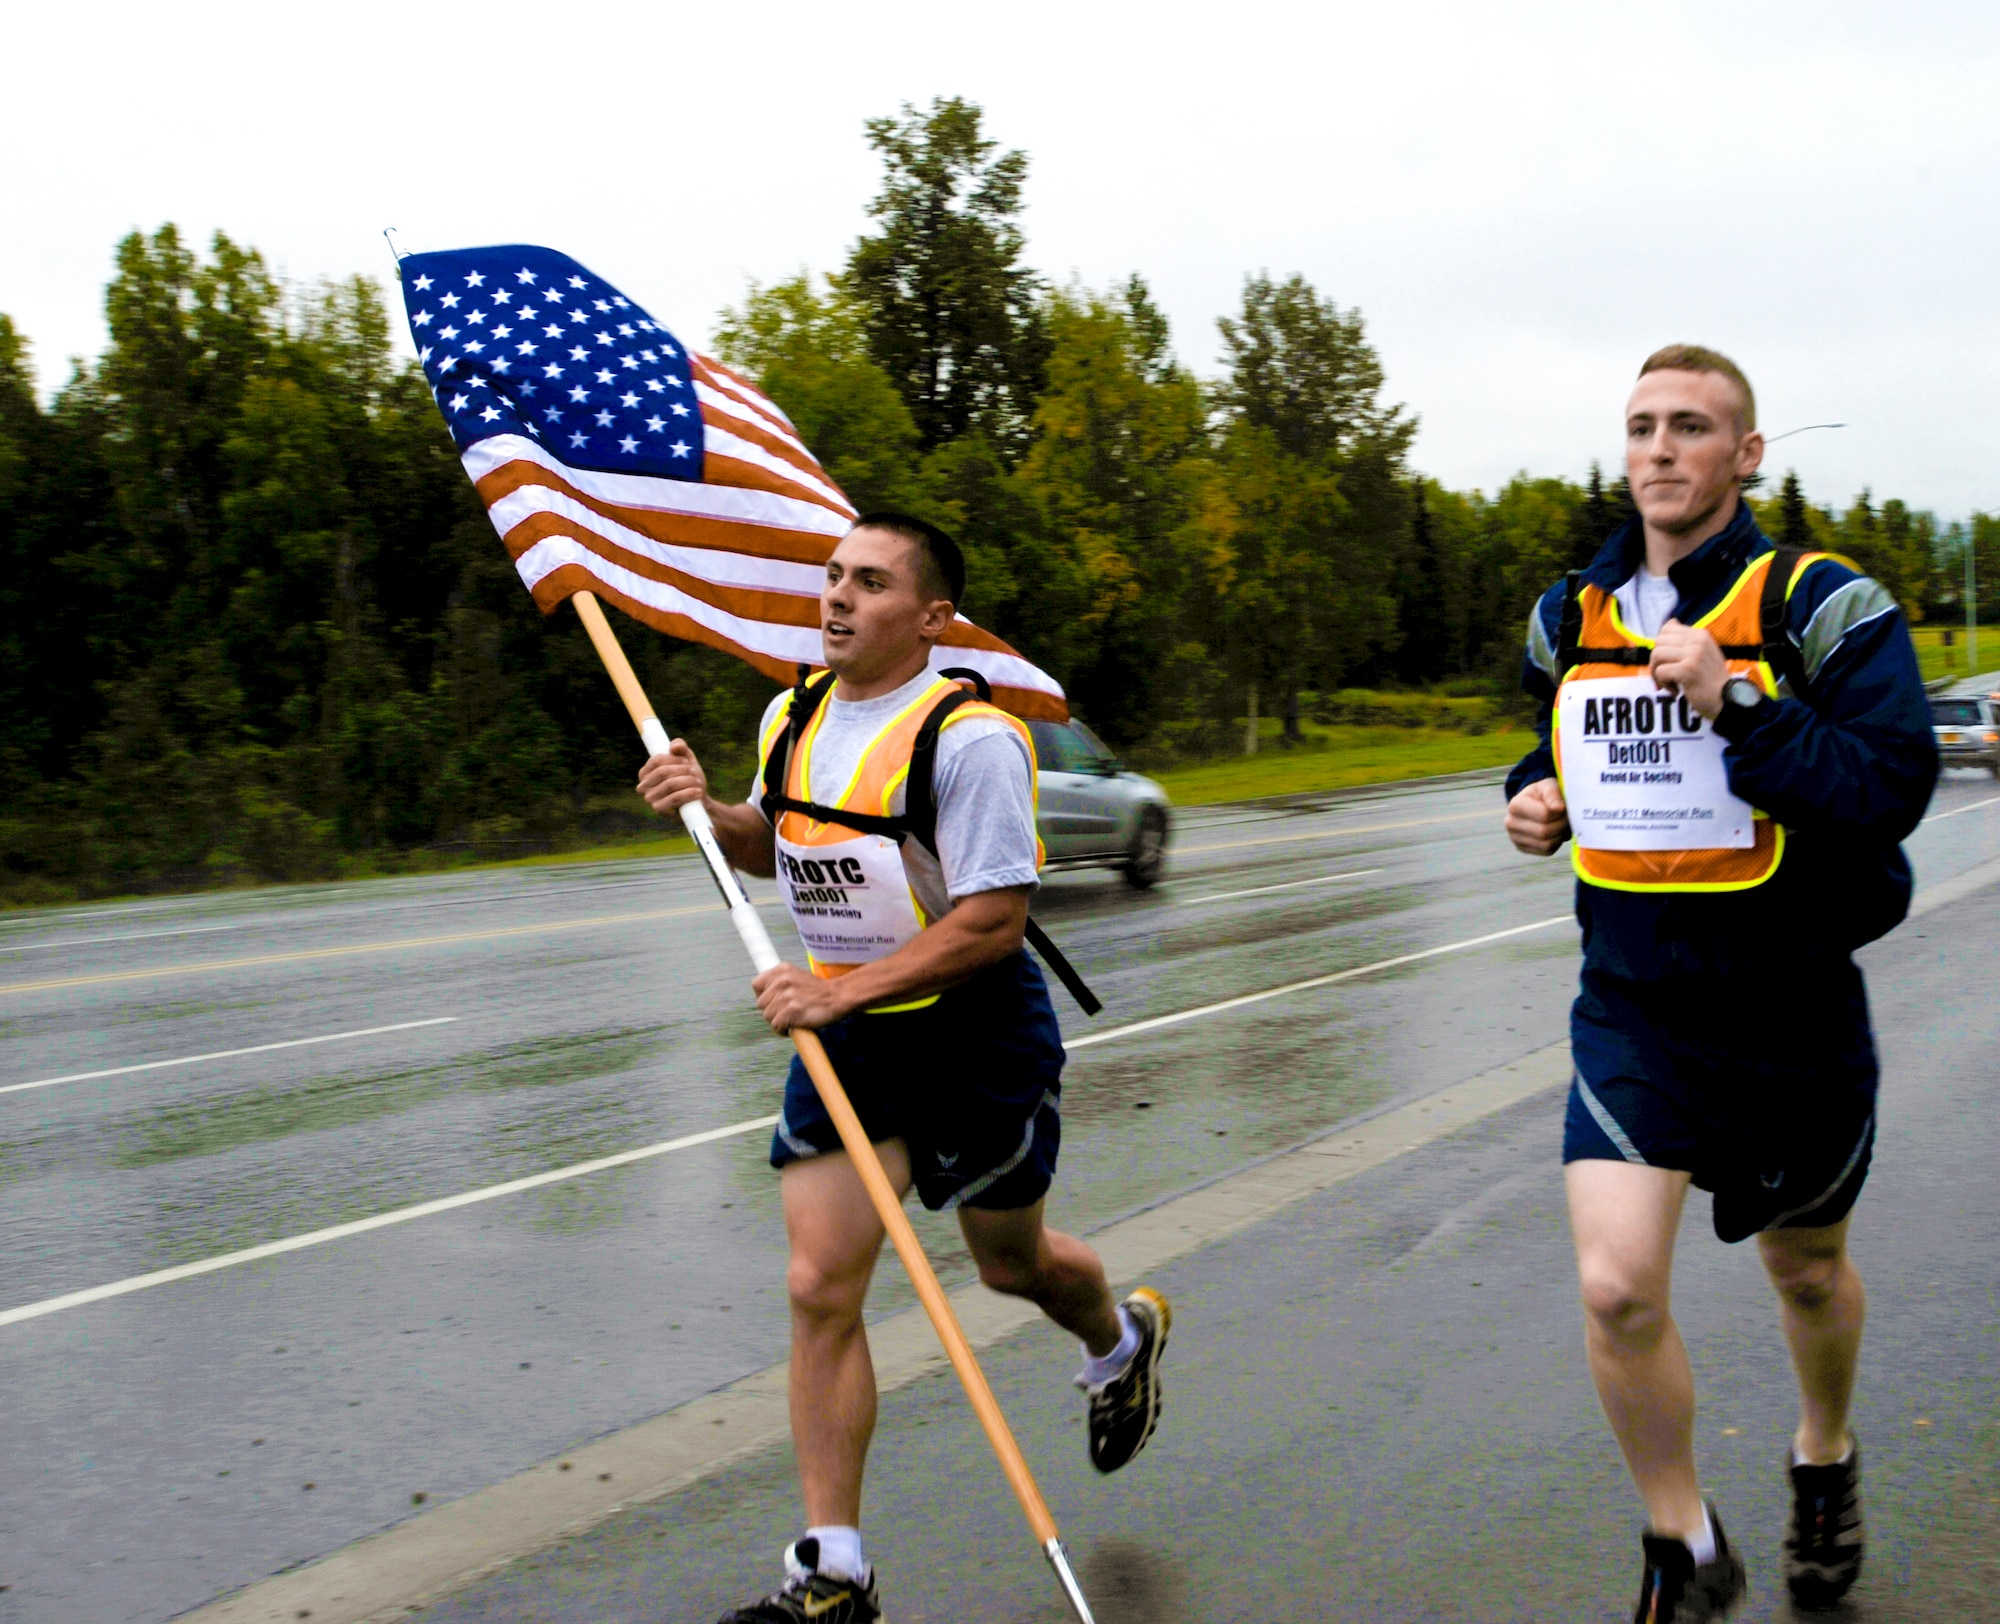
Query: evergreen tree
(1794, 528)
(952, 316)
(1424, 653)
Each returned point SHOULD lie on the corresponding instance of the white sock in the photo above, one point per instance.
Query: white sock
(1096, 1370)
(840, 1553)
(1703, 1543)
(1800, 1460)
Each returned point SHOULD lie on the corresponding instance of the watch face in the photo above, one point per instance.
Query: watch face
(1742, 691)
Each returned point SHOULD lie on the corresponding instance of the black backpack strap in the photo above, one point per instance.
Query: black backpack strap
(920, 818)
(1052, 956)
(1569, 630)
(1778, 651)
(806, 698)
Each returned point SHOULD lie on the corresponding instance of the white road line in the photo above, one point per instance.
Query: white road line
(381, 1220)
(1494, 812)
(1939, 817)
(135, 936)
(1260, 890)
(226, 1054)
(1307, 985)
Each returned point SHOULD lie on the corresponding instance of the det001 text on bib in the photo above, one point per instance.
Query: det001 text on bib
(850, 899)
(1642, 771)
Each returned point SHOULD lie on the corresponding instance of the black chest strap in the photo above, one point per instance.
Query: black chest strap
(1776, 650)
(919, 814)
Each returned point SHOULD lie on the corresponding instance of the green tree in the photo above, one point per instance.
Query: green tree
(952, 316)
(1794, 528)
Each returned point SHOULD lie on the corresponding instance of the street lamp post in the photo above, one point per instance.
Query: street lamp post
(1971, 604)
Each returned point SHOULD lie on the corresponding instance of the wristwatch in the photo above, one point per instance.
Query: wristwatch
(1743, 706)
(1743, 693)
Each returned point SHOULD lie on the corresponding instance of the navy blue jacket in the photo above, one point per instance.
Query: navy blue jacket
(1847, 768)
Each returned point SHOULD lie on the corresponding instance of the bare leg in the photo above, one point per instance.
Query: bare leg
(1056, 1272)
(1824, 1307)
(835, 1237)
(1624, 1218)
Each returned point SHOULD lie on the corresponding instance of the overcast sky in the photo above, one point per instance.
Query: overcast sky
(1522, 199)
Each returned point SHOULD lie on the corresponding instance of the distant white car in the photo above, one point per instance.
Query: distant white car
(1095, 813)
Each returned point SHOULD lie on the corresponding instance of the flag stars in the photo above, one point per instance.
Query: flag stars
(552, 413)
(656, 386)
(578, 282)
(655, 424)
(579, 393)
(525, 347)
(459, 403)
(475, 279)
(647, 355)
(475, 348)
(603, 374)
(447, 332)
(621, 304)
(502, 331)
(502, 296)
(476, 316)
(552, 331)
(579, 353)
(490, 415)
(501, 366)
(604, 420)
(421, 319)
(628, 363)
(528, 312)
(601, 305)
(625, 329)
(524, 275)
(422, 284)
(606, 338)
(551, 370)
(628, 399)
(449, 301)
(677, 409)
(477, 383)
(577, 439)
(554, 295)
(628, 445)
(578, 315)
(680, 448)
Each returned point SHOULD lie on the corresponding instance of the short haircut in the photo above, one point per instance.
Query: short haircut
(940, 565)
(1696, 358)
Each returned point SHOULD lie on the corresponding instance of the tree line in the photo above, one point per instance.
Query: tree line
(256, 624)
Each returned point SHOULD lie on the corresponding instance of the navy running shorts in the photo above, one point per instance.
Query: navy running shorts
(971, 1084)
(1764, 1093)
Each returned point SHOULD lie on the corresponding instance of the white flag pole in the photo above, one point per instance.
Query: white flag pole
(888, 1206)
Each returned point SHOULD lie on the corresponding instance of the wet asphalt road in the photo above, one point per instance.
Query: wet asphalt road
(160, 1445)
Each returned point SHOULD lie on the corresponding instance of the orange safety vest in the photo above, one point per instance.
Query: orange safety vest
(843, 882)
(1597, 644)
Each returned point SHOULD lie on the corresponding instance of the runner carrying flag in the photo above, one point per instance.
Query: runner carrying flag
(1736, 737)
(897, 813)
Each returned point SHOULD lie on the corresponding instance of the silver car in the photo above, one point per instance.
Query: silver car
(1967, 730)
(1094, 812)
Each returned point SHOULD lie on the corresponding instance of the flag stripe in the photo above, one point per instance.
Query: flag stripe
(788, 476)
(777, 649)
(769, 516)
(734, 383)
(754, 422)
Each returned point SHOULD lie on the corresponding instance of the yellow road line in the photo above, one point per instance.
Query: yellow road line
(399, 945)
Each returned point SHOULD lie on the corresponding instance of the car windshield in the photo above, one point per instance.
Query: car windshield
(1955, 712)
(1103, 750)
(1058, 750)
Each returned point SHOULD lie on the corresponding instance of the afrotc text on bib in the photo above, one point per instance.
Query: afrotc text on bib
(1642, 770)
(850, 900)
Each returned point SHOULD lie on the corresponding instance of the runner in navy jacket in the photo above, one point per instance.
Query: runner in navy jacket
(1720, 1034)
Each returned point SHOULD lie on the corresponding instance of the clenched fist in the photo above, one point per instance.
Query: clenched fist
(670, 781)
(1538, 819)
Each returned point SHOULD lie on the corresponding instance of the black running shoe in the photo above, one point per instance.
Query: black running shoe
(1823, 1540)
(811, 1597)
(1676, 1591)
(1125, 1409)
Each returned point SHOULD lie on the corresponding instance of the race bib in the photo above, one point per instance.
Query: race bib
(850, 900)
(1642, 771)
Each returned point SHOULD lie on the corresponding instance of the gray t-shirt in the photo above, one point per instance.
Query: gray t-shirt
(985, 802)
(1647, 601)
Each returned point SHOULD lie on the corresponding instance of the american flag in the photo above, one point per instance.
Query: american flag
(613, 460)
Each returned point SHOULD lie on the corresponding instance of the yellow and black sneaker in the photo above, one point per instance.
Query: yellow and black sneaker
(1823, 1541)
(1125, 1408)
(811, 1597)
(1678, 1590)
